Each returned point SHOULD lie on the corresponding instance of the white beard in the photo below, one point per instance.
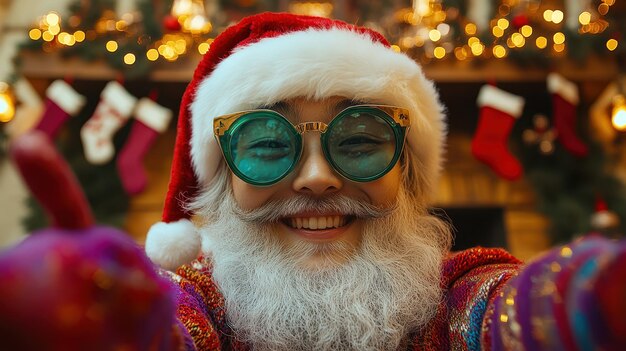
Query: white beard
(387, 289)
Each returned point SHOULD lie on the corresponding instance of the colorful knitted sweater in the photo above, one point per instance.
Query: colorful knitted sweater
(492, 302)
(472, 279)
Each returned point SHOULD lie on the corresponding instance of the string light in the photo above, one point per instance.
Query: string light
(618, 117)
(129, 59)
(460, 53)
(439, 52)
(443, 28)
(477, 49)
(63, 38)
(557, 16)
(111, 46)
(509, 43)
(518, 40)
(559, 47)
(547, 15)
(52, 19)
(434, 35)
(79, 35)
(54, 30)
(439, 16)
(558, 38)
(180, 46)
(7, 105)
(152, 55)
(47, 36)
(203, 48)
(198, 24)
(320, 9)
(181, 8)
(584, 18)
(34, 34)
(503, 23)
(470, 29)
(499, 51)
(421, 8)
(419, 41)
(541, 42)
(497, 32)
(121, 25)
(429, 33)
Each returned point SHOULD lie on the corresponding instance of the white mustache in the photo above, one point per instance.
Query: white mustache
(276, 210)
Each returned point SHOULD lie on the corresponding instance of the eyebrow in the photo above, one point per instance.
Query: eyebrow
(281, 107)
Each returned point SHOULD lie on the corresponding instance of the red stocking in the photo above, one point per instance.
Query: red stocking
(564, 102)
(498, 113)
(62, 102)
(151, 120)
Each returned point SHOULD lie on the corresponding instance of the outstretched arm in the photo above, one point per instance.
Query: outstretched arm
(572, 298)
(78, 286)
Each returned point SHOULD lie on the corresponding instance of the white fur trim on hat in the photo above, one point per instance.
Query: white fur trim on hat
(118, 97)
(500, 100)
(557, 84)
(153, 115)
(65, 97)
(170, 245)
(317, 64)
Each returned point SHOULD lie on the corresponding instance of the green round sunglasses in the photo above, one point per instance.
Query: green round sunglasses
(362, 142)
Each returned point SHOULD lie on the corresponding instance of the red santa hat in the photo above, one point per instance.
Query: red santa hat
(268, 58)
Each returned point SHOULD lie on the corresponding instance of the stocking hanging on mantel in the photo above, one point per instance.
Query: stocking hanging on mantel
(573, 9)
(62, 102)
(29, 110)
(498, 112)
(479, 12)
(124, 7)
(151, 119)
(115, 107)
(564, 103)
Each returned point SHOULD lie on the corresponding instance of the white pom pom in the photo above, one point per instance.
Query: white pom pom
(170, 245)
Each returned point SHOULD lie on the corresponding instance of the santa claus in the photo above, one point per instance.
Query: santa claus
(296, 218)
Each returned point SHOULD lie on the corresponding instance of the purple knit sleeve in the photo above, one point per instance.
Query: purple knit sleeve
(554, 304)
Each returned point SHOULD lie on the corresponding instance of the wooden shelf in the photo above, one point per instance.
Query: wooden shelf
(52, 66)
(593, 70)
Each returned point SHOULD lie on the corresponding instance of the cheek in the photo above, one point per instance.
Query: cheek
(384, 190)
(249, 197)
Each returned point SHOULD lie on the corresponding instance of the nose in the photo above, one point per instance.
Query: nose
(315, 176)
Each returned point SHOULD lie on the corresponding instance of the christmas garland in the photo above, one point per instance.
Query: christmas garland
(523, 32)
(520, 31)
(97, 22)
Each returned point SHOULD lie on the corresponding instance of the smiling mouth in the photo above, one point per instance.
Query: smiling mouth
(318, 222)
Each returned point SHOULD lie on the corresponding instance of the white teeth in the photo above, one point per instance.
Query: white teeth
(321, 222)
(317, 223)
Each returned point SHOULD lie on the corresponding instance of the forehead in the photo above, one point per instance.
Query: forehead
(299, 110)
